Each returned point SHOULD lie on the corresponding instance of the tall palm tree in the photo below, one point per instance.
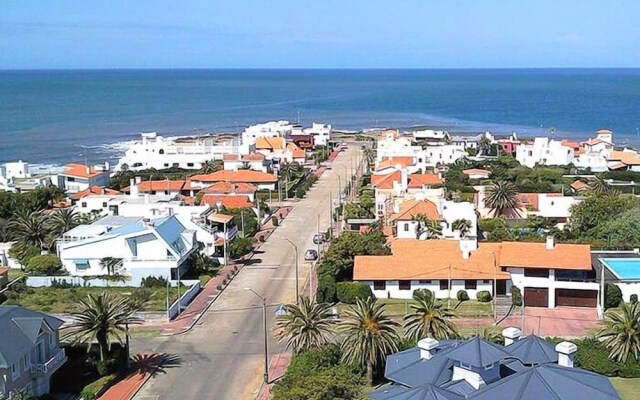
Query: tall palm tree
(102, 318)
(370, 156)
(110, 264)
(429, 318)
(305, 326)
(462, 225)
(370, 335)
(621, 332)
(62, 221)
(427, 225)
(502, 199)
(29, 228)
(211, 166)
(600, 185)
(484, 143)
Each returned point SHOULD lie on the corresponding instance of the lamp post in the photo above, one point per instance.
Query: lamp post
(495, 287)
(265, 375)
(295, 249)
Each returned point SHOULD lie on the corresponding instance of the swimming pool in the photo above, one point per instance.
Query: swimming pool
(624, 268)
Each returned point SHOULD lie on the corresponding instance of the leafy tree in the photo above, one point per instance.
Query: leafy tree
(102, 318)
(305, 326)
(345, 247)
(621, 333)
(622, 231)
(429, 318)
(428, 227)
(502, 199)
(24, 252)
(349, 292)
(484, 143)
(357, 210)
(588, 216)
(61, 221)
(239, 247)
(46, 264)
(211, 166)
(463, 226)
(29, 228)
(110, 264)
(370, 335)
(612, 295)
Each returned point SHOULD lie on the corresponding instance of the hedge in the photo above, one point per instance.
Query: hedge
(462, 295)
(93, 390)
(516, 296)
(349, 292)
(613, 295)
(483, 296)
(327, 288)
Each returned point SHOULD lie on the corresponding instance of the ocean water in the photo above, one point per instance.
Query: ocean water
(51, 117)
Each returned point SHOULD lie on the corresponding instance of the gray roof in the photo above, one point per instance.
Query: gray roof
(478, 353)
(533, 350)
(19, 330)
(426, 392)
(549, 381)
(409, 369)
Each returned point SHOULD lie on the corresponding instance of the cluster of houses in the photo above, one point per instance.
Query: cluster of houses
(408, 187)
(152, 227)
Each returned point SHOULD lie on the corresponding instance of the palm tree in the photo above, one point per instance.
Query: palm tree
(102, 318)
(426, 225)
(62, 221)
(600, 185)
(462, 225)
(621, 333)
(211, 166)
(369, 334)
(305, 326)
(502, 199)
(20, 395)
(244, 166)
(29, 228)
(484, 143)
(429, 318)
(370, 156)
(110, 264)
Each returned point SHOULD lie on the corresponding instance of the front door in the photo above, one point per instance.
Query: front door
(501, 287)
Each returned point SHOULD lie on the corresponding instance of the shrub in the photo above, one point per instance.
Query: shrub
(630, 369)
(327, 288)
(349, 292)
(261, 238)
(219, 287)
(95, 389)
(153, 282)
(63, 284)
(107, 367)
(516, 296)
(613, 295)
(633, 299)
(240, 247)
(315, 358)
(594, 356)
(462, 295)
(274, 221)
(483, 296)
(47, 264)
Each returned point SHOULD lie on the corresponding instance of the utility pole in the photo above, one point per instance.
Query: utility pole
(295, 249)
(265, 375)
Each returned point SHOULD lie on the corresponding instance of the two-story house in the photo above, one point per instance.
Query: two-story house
(78, 177)
(29, 350)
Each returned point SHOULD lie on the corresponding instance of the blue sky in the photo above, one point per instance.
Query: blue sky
(319, 34)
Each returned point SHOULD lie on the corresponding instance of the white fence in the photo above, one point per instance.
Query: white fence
(184, 300)
(46, 281)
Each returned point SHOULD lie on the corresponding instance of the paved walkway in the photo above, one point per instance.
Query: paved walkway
(567, 322)
(144, 366)
(277, 367)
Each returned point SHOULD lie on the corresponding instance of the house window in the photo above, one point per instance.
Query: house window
(424, 282)
(444, 284)
(166, 192)
(536, 273)
(470, 284)
(486, 281)
(404, 285)
(379, 285)
(84, 204)
(104, 204)
(175, 164)
(166, 165)
(71, 179)
(406, 227)
(14, 372)
(189, 164)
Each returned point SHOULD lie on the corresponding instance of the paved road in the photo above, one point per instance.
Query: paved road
(222, 357)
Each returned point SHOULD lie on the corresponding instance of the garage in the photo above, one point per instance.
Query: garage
(536, 297)
(576, 298)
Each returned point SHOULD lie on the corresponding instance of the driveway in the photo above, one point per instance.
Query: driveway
(222, 357)
(567, 322)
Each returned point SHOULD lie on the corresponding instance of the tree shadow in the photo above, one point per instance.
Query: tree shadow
(154, 364)
(252, 261)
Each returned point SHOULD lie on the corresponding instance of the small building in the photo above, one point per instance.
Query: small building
(92, 191)
(254, 161)
(30, 351)
(544, 151)
(475, 369)
(78, 177)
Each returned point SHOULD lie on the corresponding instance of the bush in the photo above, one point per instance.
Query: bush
(327, 288)
(315, 358)
(274, 221)
(613, 295)
(63, 284)
(349, 292)
(240, 247)
(261, 238)
(107, 367)
(594, 356)
(95, 389)
(630, 369)
(516, 296)
(633, 299)
(483, 296)
(153, 282)
(219, 287)
(47, 264)
(462, 295)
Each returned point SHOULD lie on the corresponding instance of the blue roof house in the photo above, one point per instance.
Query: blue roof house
(528, 368)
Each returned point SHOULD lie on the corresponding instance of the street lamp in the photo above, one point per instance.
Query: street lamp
(265, 375)
(295, 249)
(495, 287)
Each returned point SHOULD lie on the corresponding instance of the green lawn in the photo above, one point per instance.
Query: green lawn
(59, 300)
(15, 273)
(629, 389)
(467, 309)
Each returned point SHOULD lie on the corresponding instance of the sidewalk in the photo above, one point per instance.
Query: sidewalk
(277, 367)
(145, 366)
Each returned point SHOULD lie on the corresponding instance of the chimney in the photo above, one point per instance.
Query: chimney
(87, 169)
(146, 222)
(511, 335)
(550, 242)
(170, 210)
(138, 179)
(404, 179)
(467, 245)
(133, 189)
(566, 354)
(106, 165)
(428, 347)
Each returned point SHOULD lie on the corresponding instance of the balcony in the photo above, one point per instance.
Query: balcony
(50, 366)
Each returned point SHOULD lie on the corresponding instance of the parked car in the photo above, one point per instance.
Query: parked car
(318, 238)
(310, 255)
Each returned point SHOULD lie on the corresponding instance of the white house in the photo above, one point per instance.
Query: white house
(391, 144)
(463, 143)
(544, 151)
(79, 177)
(547, 274)
(11, 171)
(255, 161)
(155, 151)
(430, 134)
(321, 133)
(271, 129)
(443, 211)
(436, 156)
(145, 247)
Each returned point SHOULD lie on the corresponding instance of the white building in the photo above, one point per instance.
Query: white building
(544, 151)
(145, 247)
(11, 171)
(391, 144)
(321, 133)
(463, 143)
(444, 211)
(431, 135)
(255, 161)
(155, 151)
(79, 177)
(437, 156)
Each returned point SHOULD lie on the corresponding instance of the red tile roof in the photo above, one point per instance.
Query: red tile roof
(528, 201)
(228, 201)
(95, 189)
(247, 176)
(578, 185)
(81, 171)
(253, 157)
(270, 143)
(228, 188)
(417, 181)
(230, 157)
(158, 186)
(296, 152)
(535, 255)
(412, 208)
(476, 171)
(385, 181)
